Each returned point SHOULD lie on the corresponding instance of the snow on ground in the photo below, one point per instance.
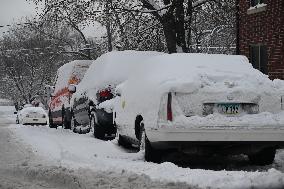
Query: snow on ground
(8, 113)
(72, 150)
(21, 168)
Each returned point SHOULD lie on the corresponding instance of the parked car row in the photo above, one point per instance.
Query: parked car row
(186, 103)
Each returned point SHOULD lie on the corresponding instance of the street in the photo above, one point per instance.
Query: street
(35, 157)
(20, 168)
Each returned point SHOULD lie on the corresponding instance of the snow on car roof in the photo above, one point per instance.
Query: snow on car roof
(198, 74)
(112, 68)
(65, 71)
(188, 71)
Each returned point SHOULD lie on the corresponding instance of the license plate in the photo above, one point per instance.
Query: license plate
(35, 119)
(229, 109)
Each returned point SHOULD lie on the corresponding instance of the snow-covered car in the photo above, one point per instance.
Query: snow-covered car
(201, 104)
(32, 116)
(59, 106)
(89, 109)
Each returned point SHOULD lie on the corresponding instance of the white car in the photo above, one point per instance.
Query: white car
(32, 116)
(201, 104)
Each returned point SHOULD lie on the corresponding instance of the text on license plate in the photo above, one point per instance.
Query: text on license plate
(229, 109)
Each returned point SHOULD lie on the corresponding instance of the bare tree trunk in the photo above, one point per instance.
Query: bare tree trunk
(180, 26)
(108, 27)
(170, 34)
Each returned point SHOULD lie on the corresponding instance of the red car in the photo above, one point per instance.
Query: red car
(68, 75)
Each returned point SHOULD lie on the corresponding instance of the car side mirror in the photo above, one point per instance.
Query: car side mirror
(72, 88)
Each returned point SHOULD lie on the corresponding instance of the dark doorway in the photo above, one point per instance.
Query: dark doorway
(258, 57)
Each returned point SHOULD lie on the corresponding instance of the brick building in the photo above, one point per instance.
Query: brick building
(260, 35)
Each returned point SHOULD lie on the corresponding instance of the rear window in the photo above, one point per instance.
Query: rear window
(79, 71)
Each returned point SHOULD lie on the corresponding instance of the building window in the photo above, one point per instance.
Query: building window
(258, 57)
(255, 2)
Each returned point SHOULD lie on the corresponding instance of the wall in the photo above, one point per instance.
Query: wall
(266, 27)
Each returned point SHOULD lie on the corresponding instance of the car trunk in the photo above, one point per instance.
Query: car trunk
(232, 109)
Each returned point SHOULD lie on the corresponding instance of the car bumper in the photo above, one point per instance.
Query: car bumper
(216, 134)
(229, 141)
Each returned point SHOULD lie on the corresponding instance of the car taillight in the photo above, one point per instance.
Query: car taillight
(169, 108)
(105, 93)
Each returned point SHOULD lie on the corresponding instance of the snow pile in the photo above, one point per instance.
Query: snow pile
(110, 70)
(205, 76)
(71, 150)
(5, 102)
(75, 68)
(7, 114)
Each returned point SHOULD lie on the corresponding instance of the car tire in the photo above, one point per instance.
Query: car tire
(66, 123)
(51, 125)
(264, 157)
(151, 154)
(73, 125)
(97, 131)
(123, 142)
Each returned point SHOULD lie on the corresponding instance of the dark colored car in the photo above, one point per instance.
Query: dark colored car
(97, 88)
(86, 116)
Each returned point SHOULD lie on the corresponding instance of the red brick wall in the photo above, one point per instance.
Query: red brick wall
(265, 28)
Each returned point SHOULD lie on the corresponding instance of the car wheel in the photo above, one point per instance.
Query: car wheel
(264, 157)
(98, 133)
(123, 142)
(51, 125)
(151, 154)
(73, 124)
(66, 123)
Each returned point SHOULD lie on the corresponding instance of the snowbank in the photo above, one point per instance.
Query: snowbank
(84, 151)
(5, 102)
(7, 112)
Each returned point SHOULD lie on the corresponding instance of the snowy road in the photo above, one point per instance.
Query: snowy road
(22, 168)
(40, 157)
